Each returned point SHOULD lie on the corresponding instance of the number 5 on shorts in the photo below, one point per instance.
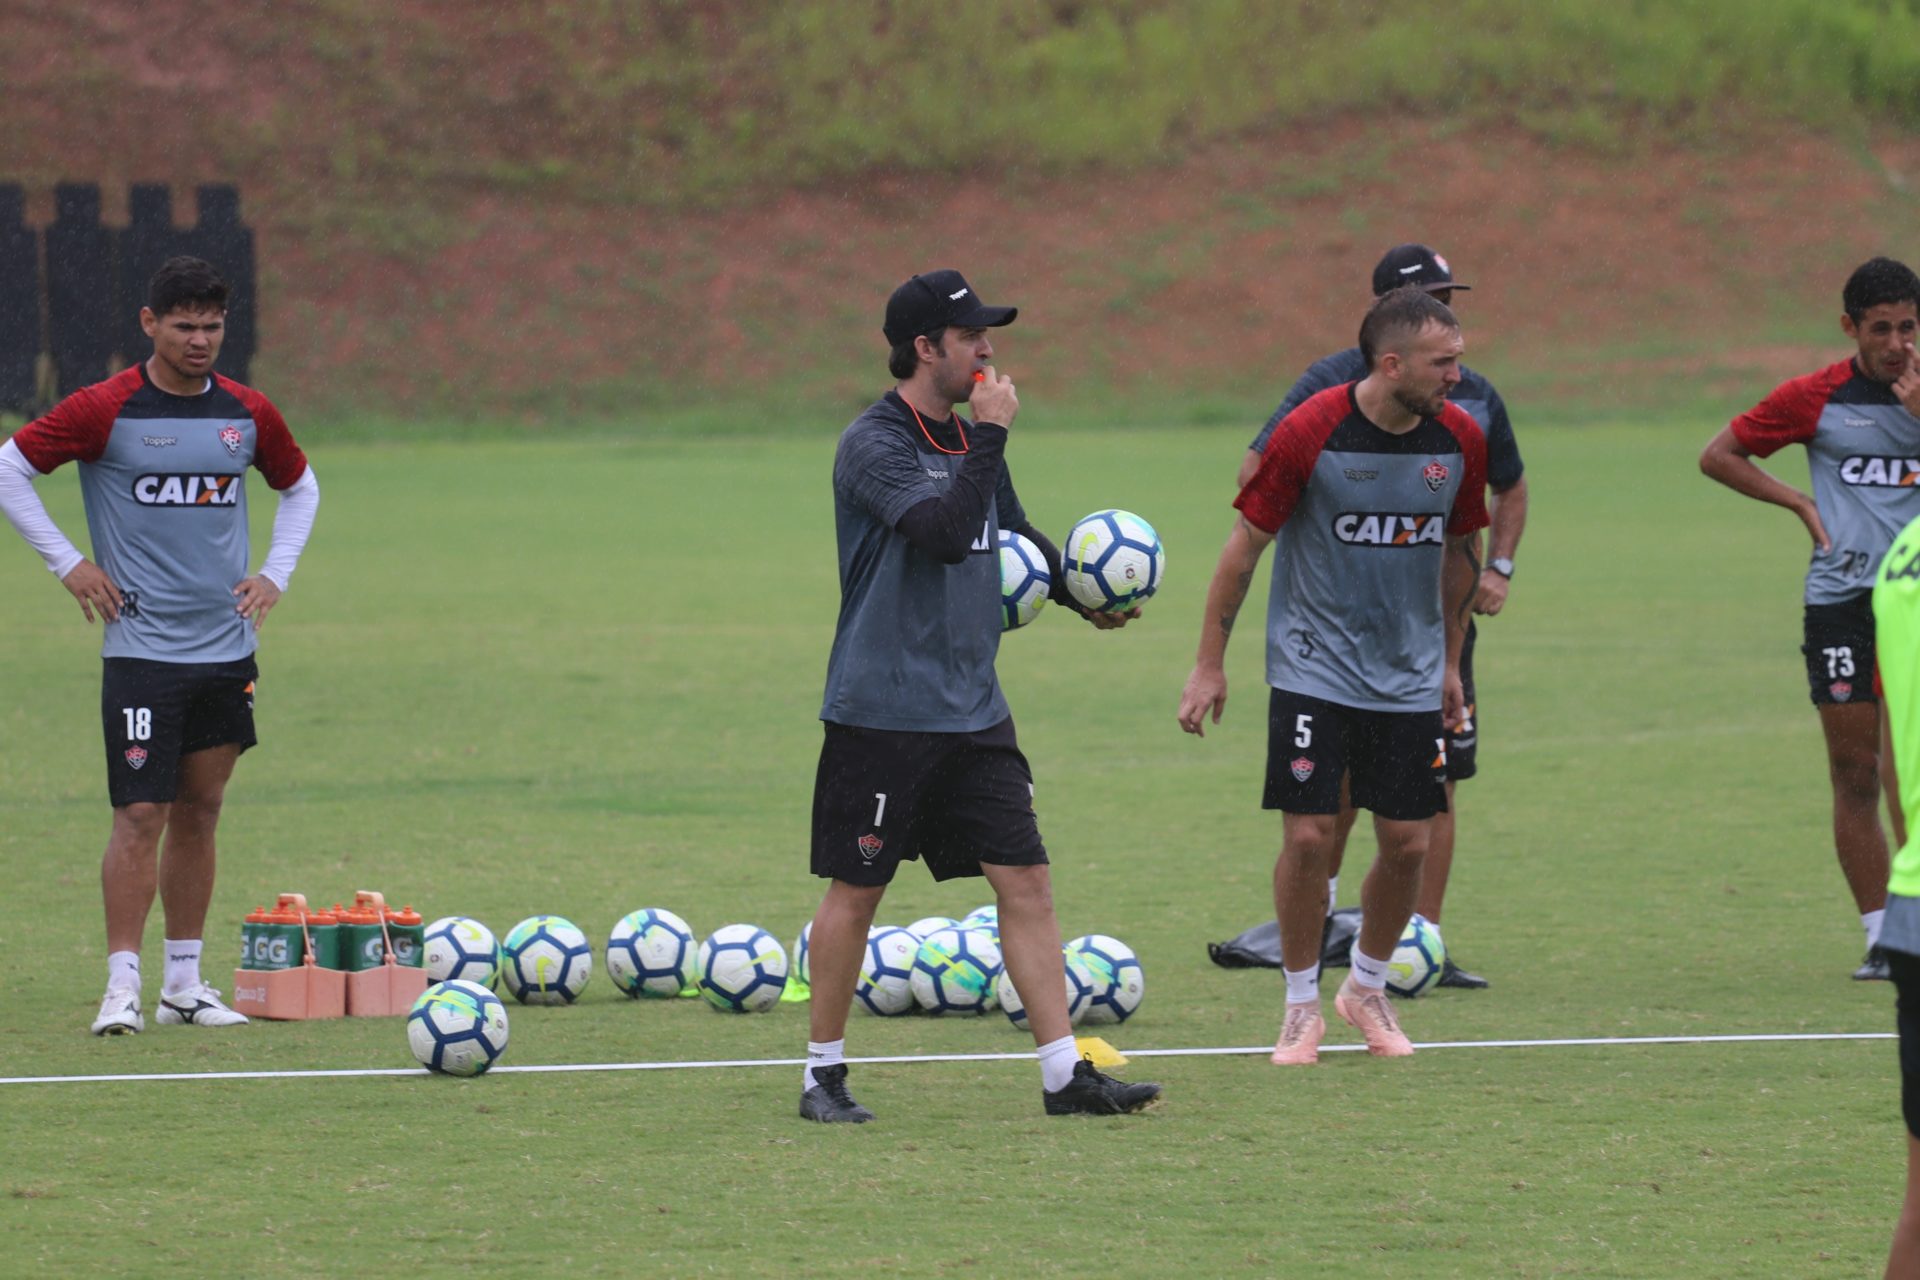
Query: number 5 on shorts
(1303, 730)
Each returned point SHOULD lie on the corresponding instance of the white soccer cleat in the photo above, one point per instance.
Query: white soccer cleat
(120, 1013)
(199, 1005)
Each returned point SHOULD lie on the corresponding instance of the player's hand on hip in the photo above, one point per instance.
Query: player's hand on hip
(1206, 691)
(1816, 527)
(1453, 699)
(1492, 593)
(94, 590)
(993, 398)
(254, 597)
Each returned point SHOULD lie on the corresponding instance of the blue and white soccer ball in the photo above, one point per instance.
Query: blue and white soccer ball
(1122, 983)
(742, 968)
(457, 1028)
(650, 952)
(987, 917)
(1024, 580)
(1113, 561)
(926, 926)
(462, 949)
(1082, 984)
(1416, 963)
(546, 960)
(954, 971)
(802, 954)
(885, 985)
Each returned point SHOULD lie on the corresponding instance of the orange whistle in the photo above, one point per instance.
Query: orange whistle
(980, 376)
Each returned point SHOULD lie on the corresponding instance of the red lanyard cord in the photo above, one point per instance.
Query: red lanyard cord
(929, 435)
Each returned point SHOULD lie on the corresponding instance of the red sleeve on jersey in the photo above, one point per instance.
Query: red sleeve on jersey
(274, 452)
(1791, 413)
(1469, 512)
(1292, 450)
(77, 429)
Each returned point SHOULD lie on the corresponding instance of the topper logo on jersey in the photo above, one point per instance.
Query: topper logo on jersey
(1389, 529)
(186, 491)
(1887, 473)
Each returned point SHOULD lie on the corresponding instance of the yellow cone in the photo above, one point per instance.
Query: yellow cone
(1102, 1053)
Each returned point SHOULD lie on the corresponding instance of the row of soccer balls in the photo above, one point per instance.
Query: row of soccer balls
(938, 964)
(1112, 561)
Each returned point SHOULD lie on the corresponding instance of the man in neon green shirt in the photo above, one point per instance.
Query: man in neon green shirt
(1896, 611)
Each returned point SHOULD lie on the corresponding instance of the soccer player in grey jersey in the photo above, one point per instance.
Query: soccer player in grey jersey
(919, 759)
(1423, 268)
(1380, 486)
(163, 449)
(1857, 420)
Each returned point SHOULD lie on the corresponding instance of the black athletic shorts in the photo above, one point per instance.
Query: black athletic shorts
(1906, 983)
(1463, 739)
(155, 712)
(1396, 761)
(883, 797)
(1839, 651)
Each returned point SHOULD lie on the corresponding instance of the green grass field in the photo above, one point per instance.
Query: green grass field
(581, 677)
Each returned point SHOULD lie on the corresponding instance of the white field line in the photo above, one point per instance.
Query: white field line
(1586, 1042)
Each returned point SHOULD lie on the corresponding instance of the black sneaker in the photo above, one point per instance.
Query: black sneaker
(1874, 967)
(829, 1102)
(1090, 1093)
(1452, 975)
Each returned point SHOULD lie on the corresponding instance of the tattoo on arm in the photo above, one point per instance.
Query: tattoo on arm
(1231, 613)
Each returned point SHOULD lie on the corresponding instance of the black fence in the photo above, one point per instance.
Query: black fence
(78, 302)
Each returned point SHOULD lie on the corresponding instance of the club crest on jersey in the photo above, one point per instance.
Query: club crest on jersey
(1435, 474)
(230, 436)
(186, 490)
(1389, 528)
(1842, 690)
(136, 756)
(1302, 769)
(870, 846)
(1886, 473)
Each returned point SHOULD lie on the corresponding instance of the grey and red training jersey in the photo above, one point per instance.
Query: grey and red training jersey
(1863, 452)
(163, 481)
(1355, 616)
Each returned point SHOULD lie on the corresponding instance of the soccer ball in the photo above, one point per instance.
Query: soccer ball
(954, 971)
(1112, 561)
(987, 918)
(926, 926)
(1024, 580)
(1083, 983)
(1122, 982)
(456, 947)
(742, 968)
(1416, 963)
(457, 1028)
(650, 953)
(546, 960)
(886, 971)
(802, 959)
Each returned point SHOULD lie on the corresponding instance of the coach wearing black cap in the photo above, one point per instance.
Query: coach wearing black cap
(920, 761)
(1421, 267)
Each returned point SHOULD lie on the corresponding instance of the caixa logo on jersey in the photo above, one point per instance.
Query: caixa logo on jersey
(1890, 473)
(1390, 528)
(178, 490)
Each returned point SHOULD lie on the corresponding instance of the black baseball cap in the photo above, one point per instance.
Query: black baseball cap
(1413, 264)
(939, 300)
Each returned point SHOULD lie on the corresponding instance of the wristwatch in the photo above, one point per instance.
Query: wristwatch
(1502, 566)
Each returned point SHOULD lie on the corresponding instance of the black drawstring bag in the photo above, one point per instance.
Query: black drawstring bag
(1259, 947)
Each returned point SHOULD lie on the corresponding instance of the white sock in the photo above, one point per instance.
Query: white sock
(1333, 892)
(1870, 921)
(1303, 986)
(1367, 972)
(1056, 1063)
(822, 1055)
(183, 965)
(123, 969)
